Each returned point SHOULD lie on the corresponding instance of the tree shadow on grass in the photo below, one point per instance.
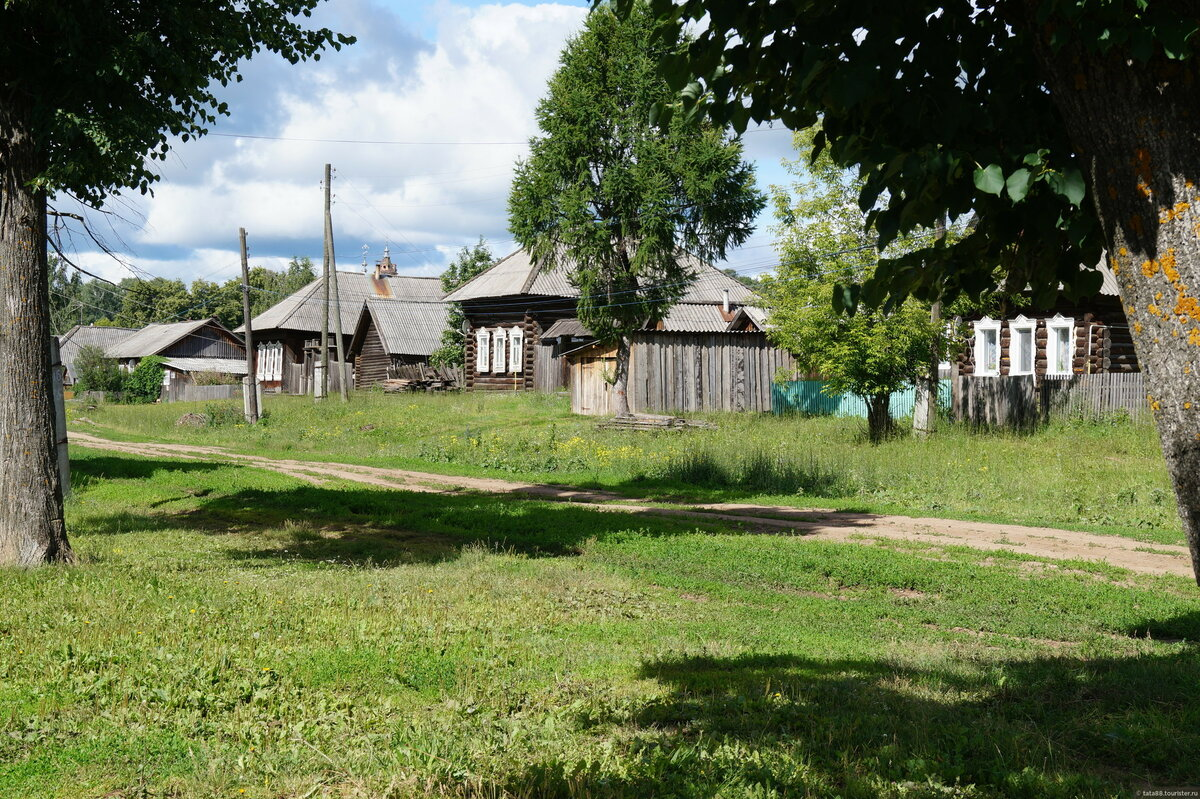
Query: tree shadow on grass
(790, 725)
(352, 525)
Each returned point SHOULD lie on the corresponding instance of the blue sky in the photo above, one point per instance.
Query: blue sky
(451, 85)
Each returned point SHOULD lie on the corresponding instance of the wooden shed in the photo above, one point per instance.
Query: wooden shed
(199, 338)
(80, 336)
(394, 339)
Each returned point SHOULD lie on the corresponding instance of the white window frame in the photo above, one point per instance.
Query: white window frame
(483, 352)
(984, 325)
(1016, 326)
(498, 360)
(1059, 322)
(516, 349)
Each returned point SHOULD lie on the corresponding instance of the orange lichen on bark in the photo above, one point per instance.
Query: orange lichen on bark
(1194, 337)
(1187, 308)
(1149, 268)
(1171, 214)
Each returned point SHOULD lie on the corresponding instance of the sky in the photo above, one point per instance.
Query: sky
(423, 119)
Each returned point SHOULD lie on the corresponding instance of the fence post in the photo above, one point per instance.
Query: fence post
(60, 419)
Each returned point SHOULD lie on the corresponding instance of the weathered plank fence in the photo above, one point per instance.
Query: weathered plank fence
(179, 391)
(1020, 402)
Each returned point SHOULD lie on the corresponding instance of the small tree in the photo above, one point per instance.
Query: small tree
(96, 372)
(469, 262)
(823, 244)
(618, 199)
(144, 383)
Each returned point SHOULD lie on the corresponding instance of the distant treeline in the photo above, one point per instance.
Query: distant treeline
(134, 302)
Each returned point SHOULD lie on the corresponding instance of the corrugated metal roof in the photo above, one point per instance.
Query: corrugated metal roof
(303, 310)
(688, 318)
(752, 312)
(80, 336)
(153, 339)
(566, 327)
(516, 274)
(409, 328)
(230, 366)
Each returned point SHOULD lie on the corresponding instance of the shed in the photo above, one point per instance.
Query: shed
(394, 339)
(80, 336)
(199, 338)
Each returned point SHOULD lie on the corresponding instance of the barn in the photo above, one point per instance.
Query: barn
(80, 336)
(201, 345)
(393, 339)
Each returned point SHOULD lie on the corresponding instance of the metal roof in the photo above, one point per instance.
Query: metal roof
(566, 327)
(758, 316)
(406, 328)
(231, 366)
(682, 318)
(303, 310)
(153, 339)
(80, 336)
(1109, 287)
(517, 275)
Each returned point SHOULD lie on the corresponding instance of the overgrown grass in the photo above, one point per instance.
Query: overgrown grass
(233, 632)
(1100, 477)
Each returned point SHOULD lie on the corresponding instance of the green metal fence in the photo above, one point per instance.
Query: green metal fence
(807, 396)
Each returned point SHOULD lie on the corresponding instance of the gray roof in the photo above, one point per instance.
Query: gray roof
(231, 366)
(303, 310)
(153, 339)
(406, 328)
(517, 275)
(682, 318)
(80, 336)
(566, 327)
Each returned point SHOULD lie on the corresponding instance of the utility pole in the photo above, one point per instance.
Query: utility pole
(337, 302)
(250, 386)
(324, 388)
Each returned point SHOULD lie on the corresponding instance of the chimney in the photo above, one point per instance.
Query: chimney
(725, 301)
(385, 267)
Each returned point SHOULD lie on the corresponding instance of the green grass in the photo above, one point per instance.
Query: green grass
(1107, 478)
(232, 632)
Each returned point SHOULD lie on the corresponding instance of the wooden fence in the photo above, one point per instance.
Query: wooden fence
(684, 373)
(1020, 402)
(808, 397)
(178, 391)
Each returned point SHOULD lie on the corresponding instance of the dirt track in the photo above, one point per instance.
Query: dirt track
(810, 522)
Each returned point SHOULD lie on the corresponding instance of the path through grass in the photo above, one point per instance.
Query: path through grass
(233, 632)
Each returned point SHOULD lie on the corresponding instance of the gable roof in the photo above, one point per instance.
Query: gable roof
(80, 336)
(682, 318)
(153, 339)
(303, 310)
(517, 274)
(404, 328)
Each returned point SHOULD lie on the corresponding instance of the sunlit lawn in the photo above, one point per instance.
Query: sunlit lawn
(1102, 477)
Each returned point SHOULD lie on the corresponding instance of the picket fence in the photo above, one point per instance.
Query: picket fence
(809, 397)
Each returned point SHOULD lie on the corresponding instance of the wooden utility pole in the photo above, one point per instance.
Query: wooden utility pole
(250, 386)
(331, 258)
(324, 384)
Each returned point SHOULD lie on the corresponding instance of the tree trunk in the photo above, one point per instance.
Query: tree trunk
(1137, 126)
(621, 378)
(31, 509)
(879, 417)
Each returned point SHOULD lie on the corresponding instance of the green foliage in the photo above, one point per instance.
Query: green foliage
(95, 372)
(154, 300)
(144, 383)
(138, 73)
(823, 246)
(617, 197)
(943, 108)
(469, 262)
(223, 414)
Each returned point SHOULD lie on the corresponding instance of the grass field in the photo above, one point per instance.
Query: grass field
(236, 633)
(1107, 478)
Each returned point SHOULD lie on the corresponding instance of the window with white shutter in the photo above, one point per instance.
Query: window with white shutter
(1060, 345)
(482, 351)
(498, 360)
(987, 346)
(1022, 346)
(516, 349)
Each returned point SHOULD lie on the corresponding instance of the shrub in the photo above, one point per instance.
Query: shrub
(144, 383)
(95, 372)
(219, 414)
(215, 379)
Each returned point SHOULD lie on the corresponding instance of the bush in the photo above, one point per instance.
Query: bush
(221, 414)
(144, 383)
(215, 379)
(95, 372)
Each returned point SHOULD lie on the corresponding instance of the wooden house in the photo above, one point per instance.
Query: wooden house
(394, 339)
(201, 345)
(80, 336)
(512, 308)
(287, 335)
(1087, 337)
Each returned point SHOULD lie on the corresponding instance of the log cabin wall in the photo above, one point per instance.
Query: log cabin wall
(209, 341)
(533, 315)
(371, 365)
(1102, 344)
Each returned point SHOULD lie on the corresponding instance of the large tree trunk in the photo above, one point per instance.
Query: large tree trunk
(31, 507)
(621, 378)
(1137, 125)
(879, 417)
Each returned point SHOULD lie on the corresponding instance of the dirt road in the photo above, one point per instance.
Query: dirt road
(809, 522)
